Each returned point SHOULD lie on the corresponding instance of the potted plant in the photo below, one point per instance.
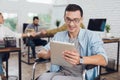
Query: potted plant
(57, 23)
(107, 28)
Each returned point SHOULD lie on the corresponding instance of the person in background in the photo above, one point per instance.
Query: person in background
(89, 49)
(6, 32)
(36, 40)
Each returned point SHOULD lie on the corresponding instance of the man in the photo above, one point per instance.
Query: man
(35, 41)
(89, 49)
(6, 32)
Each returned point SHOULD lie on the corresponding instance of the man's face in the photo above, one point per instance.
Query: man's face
(36, 21)
(1, 19)
(73, 20)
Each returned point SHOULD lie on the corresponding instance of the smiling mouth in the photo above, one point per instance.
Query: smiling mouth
(71, 28)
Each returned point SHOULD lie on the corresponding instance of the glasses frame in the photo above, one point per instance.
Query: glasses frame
(75, 20)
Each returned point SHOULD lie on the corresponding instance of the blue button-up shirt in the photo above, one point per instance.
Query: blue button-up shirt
(90, 44)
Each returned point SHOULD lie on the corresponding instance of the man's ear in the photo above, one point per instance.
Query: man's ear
(81, 21)
(64, 18)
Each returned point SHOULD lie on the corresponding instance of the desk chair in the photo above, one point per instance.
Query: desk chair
(26, 42)
(87, 68)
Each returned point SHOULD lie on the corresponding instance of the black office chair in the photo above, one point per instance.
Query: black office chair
(26, 42)
(24, 27)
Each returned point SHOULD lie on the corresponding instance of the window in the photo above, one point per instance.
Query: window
(12, 0)
(45, 19)
(41, 1)
(10, 20)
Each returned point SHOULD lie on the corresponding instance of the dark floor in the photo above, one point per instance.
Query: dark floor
(40, 68)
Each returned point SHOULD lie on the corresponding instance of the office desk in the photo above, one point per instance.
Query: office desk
(9, 50)
(114, 40)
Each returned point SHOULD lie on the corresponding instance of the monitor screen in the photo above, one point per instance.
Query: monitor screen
(97, 24)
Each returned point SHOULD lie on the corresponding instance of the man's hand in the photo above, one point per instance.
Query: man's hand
(43, 31)
(72, 57)
(43, 54)
(33, 34)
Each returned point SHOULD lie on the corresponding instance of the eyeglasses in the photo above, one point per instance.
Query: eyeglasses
(75, 20)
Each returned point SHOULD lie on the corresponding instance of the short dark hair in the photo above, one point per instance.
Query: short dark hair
(74, 7)
(35, 17)
(0, 13)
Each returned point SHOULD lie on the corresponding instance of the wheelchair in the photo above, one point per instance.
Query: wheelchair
(87, 68)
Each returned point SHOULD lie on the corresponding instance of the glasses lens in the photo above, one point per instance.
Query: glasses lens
(68, 20)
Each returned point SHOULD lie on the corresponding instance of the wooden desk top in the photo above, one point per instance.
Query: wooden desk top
(11, 49)
(111, 40)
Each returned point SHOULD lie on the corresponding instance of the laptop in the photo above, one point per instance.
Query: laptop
(97, 24)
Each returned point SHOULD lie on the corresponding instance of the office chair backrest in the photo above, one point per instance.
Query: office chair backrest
(24, 27)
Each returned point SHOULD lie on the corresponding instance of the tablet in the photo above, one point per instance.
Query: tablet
(56, 49)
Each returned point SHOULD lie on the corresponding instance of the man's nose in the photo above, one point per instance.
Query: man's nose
(71, 23)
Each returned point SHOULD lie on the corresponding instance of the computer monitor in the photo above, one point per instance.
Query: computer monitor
(97, 24)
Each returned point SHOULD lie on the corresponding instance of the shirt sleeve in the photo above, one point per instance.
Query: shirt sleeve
(10, 33)
(97, 46)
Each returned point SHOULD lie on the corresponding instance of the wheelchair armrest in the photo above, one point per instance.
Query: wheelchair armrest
(87, 67)
(41, 60)
(38, 60)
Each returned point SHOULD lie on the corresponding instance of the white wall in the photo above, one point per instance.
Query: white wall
(22, 8)
(59, 8)
(109, 9)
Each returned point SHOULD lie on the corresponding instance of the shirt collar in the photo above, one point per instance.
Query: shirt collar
(80, 35)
